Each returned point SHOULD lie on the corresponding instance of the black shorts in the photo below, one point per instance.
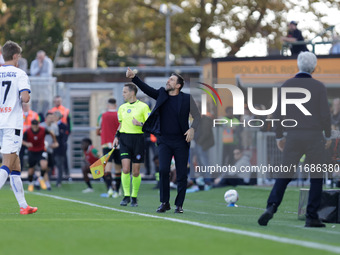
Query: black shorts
(34, 157)
(115, 155)
(132, 147)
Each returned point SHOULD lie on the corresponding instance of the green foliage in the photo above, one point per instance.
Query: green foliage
(137, 28)
(35, 25)
(68, 227)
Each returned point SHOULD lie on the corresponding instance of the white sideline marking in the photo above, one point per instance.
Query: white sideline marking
(285, 240)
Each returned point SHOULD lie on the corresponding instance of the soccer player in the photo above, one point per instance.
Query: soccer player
(28, 116)
(107, 127)
(14, 90)
(50, 125)
(132, 116)
(34, 140)
(90, 156)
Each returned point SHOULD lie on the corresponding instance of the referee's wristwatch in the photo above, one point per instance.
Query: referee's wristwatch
(141, 124)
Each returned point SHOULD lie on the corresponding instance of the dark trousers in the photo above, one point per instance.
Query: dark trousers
(298, 143)
(168, 148)
(60, 164)
(228, 153)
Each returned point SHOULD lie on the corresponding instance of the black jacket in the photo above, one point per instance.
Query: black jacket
(320, 120)
(186, 105)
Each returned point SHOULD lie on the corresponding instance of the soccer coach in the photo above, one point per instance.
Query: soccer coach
(169, 121)
(306, 137)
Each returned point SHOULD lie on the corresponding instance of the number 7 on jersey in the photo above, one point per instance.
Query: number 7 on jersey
(8, 86)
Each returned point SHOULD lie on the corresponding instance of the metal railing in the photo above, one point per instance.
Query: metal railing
(287, 45)
(43, 89)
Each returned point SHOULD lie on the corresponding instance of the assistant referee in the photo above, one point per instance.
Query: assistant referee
(131, 116)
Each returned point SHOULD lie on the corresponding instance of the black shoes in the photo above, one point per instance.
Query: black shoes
(163, 207)
(166, 207)
(178, 209)
(267, 216)
(314, 223)
(125, 201)
(269, 213)
(134, 202)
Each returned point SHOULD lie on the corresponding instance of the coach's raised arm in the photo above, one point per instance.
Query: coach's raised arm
(169, 122)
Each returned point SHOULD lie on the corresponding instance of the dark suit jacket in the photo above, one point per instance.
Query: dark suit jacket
(320, 120)
(186, 105)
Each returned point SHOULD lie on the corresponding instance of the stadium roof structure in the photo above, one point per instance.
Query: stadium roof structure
(264, 73)
(276, 80)
(117, 74)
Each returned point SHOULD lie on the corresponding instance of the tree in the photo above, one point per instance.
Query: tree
(137, 28)
(86, 38)
(35, 25)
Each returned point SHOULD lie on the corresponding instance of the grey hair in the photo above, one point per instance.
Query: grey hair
(306, 62)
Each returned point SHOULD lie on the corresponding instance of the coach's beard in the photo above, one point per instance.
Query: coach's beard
(168, 88)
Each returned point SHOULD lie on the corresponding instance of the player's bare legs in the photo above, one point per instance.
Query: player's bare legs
(12, 161)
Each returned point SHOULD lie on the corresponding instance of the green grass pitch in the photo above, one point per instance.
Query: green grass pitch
(70, 222)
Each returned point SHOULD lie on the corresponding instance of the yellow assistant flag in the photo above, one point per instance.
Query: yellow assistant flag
(98, 167)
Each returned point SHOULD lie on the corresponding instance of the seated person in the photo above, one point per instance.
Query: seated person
(241, 159)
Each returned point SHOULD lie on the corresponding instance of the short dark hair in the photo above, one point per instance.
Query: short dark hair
(111, 101)
(180, 80)
(87, 140)
(35, 122)
(9, 49)
(132, 87)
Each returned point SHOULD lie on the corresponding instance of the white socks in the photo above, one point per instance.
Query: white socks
(16, 184)
(18, 189)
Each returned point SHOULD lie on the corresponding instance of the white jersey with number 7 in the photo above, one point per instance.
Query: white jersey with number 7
(12, 82)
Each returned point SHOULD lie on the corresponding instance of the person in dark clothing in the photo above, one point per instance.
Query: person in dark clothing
(294, 35)
(169, 122)
(34, 140)
(60, 152)
(306, 137)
